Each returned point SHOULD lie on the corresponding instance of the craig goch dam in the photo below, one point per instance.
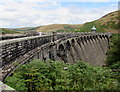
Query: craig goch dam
(67, 47)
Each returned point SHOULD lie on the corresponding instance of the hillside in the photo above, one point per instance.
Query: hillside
(16, 30)
(107, 23)
(58, 28)
(20, 29)
(7, 31)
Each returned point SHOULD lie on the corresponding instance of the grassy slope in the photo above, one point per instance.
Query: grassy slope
(108, 23)
(58, 28)
(87, 27)
(7, 31)
(15, 30)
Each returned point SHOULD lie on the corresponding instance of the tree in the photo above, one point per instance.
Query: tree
(114, 51)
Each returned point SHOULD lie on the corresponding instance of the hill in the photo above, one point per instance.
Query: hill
(7, 31)
(58, 28)
(16, 30)
(107, 23)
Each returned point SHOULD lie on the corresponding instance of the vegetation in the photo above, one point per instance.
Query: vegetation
(113, 57)
(114, 51)
(111, 24)
(7, 31)
(53, 75)
(108, 23)
(110, 20)
(58, 28)
(87, 27)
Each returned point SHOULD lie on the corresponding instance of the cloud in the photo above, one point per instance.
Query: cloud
(22, 14)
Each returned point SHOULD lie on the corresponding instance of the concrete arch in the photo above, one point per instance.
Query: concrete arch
(61, 47)
(88, 37)
(100, 36)
(105, 40)
(106, 36)
(78, 40)
(85, 38)
(61, 53)
(69, 53)
(68, 44)
(82, 40)
(72, 42)
(94, 37)
(82, 48)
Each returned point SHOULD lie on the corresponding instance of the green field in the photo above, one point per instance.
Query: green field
(7, 31)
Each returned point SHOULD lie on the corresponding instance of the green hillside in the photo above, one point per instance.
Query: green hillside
(16, 30)
(108, 23)
(7, 31)
(87, 27)
(58, 28)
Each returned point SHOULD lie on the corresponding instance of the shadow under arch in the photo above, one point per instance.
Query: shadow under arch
(68, 45)
(61, 47)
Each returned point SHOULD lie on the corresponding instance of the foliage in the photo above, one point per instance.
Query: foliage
(53, 75)
(113, 57)
(116, 65)
(114, 52)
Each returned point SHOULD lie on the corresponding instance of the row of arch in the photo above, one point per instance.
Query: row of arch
(91, 49)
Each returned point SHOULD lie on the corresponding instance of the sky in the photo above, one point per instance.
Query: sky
(32, 13)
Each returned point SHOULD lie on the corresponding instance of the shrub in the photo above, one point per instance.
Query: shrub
(114, 51)
(53, 75)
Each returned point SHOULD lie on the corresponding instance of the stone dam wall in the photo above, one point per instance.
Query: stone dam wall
(67, 47)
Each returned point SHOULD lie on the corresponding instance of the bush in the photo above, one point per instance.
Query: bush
(53, 75)
(114, 51)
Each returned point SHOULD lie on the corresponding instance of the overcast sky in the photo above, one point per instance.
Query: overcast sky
(31, 13)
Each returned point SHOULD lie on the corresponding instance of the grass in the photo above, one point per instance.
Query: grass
(87, 27)
(6, 31)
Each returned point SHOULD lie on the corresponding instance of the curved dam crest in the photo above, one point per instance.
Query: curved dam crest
(67, 47)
